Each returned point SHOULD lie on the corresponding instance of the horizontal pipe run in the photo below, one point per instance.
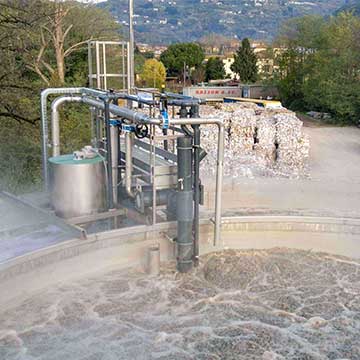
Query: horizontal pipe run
(136, 98)
(122, 112)
(184, 102)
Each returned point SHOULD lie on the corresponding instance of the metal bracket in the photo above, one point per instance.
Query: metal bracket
(165, 119)
(127, 128)
(168, 237)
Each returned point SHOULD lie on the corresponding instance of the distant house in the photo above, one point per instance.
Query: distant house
(266, 57)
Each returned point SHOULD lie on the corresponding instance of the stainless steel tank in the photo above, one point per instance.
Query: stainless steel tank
(77, 186)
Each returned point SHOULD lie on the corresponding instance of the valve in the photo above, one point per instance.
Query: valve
(141, 131)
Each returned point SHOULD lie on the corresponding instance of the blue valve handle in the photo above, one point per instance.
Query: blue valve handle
(165, 119)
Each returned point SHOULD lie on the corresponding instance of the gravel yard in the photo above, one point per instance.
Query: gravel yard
(328, 183)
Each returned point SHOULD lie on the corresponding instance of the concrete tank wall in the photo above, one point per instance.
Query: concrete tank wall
(128, 247)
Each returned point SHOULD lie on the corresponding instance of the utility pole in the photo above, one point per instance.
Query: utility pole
(184, 73)
(131, 43)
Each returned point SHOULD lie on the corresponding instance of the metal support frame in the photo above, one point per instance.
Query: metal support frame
(98, 74)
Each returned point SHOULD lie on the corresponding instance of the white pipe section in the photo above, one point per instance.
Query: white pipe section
(114, 138)
(55, 121)
(129, 143)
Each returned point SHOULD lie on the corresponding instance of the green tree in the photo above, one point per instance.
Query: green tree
(178, 55)
(245, 63)
(214, 69)
(29, 62)
(320, 66)
(198, 75)
(154, 73)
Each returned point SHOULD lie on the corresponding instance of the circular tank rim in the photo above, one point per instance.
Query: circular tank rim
(68, 159)
(128, 247)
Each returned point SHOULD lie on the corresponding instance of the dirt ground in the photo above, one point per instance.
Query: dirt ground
(332, 189)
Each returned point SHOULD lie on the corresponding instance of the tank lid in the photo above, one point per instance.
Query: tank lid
(69, 160)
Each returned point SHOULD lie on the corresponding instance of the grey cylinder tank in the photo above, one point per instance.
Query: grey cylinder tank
(77, 186)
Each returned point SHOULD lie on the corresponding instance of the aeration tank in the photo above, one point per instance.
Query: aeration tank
(77, 186)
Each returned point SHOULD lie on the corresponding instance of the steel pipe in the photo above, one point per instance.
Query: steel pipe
(44, 120)
(109, 163)
(184, 205)
(55, 121)
(122, 112)
(129, 143)
(114, 139)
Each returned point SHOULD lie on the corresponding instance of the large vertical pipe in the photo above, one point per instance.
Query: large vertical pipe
(129, 143)
(194, 113)
(184, 201)
(114, 138)
(108, 154)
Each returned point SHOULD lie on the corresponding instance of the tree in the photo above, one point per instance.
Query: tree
(38, 44)
(67, 27)
(29, 62)
(154, 73)
(214, 69)
(319, 70)
(198, 75)
(245, 63)
(178, 55)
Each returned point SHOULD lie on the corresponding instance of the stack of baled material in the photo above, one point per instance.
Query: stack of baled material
(293, 144)
(258, 141)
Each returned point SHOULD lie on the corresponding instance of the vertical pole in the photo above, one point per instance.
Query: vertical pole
(194, 113)
(104, 66)
(97, 54)
(153, 163)
(128, 69)
(184, 73)
(131, 41)
(184, 204)
(123, 71)
(90, 64)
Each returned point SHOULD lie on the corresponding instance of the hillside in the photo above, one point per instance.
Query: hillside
(167, 21)
(351, 5)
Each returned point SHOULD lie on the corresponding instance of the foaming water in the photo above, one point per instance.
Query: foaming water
(270, 304)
